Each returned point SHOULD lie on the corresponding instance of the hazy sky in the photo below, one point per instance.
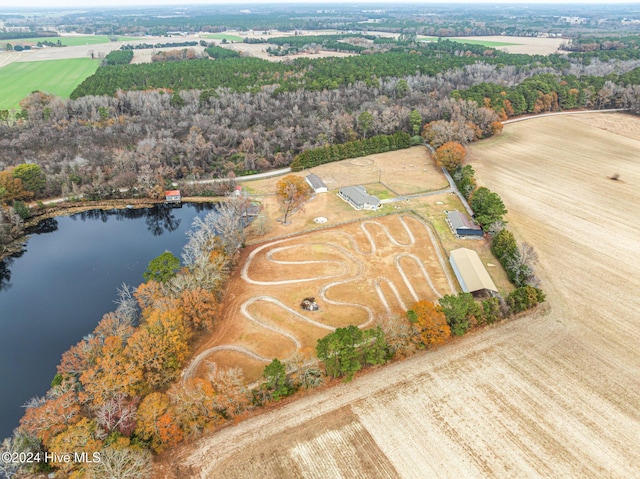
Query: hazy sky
(16, 5)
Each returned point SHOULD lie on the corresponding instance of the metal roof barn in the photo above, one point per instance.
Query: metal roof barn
(471, 273)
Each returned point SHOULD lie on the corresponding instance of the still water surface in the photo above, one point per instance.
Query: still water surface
(66, 279)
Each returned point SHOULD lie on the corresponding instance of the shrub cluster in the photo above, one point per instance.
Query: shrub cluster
(217, 52)
(351, 149)
(119, 57)
(524, 297)
(517, 262)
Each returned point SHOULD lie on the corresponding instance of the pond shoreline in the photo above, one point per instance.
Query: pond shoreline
(69, 208)
(67, 277)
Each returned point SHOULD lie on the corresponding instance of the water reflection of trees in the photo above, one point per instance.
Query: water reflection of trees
(48, 225)
(159, 218)
(162, 220)
(5, 271)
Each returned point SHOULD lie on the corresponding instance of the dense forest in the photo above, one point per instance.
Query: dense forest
(249, 74)
(98, 144)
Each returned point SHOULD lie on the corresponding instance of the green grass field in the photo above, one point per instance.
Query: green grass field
(59, 77)
(73, 41)
(486, 43)
(222, 36)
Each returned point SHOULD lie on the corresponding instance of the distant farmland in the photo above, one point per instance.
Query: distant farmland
(486, 43)
(72, 41)
(58, 77)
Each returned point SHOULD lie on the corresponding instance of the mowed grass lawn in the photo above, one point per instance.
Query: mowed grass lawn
(58, 77)
(73, 41)
(223, 36)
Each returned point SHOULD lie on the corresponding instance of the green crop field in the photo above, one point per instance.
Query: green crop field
(59, 77)
(223, 36)
(73, 41)
(486, 43)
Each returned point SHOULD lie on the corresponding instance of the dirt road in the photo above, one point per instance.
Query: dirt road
(555, 395)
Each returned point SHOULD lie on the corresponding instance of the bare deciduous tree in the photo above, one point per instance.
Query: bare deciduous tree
(116, 414)
(521, 266)
(8, 468)
(121, 463)
(399, 335)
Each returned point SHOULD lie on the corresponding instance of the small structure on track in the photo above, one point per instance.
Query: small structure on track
(309, 304)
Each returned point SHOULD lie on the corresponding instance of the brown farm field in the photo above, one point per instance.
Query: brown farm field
(526, 45)
(551, 395)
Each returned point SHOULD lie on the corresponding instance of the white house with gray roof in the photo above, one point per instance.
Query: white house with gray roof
(358, 197)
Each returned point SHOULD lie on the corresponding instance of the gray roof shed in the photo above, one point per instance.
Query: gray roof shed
(316, 183)
(461, 225)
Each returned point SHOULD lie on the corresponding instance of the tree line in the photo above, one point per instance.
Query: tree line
(352, 149)
(546, 93)
(148, 46)
(297, 44)
(517, 261)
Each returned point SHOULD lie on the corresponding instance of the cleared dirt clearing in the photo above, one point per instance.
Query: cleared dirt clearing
(555, 395)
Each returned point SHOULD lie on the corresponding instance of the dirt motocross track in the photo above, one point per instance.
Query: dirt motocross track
(552, 395)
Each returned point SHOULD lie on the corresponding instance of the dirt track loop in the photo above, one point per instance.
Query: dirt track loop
(349, 265)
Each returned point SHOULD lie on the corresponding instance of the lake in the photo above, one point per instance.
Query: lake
(67, 277)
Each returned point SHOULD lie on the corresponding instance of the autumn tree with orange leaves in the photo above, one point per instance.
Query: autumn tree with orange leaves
(429, 322)
(159, 348)
(292, 191)
(199, 308)
(78, 438)
(450, 155)
(47, 418)
(112, 373)
(157, 424)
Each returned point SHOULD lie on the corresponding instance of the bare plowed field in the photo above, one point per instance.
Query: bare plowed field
(356, 272)
(553, 395)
